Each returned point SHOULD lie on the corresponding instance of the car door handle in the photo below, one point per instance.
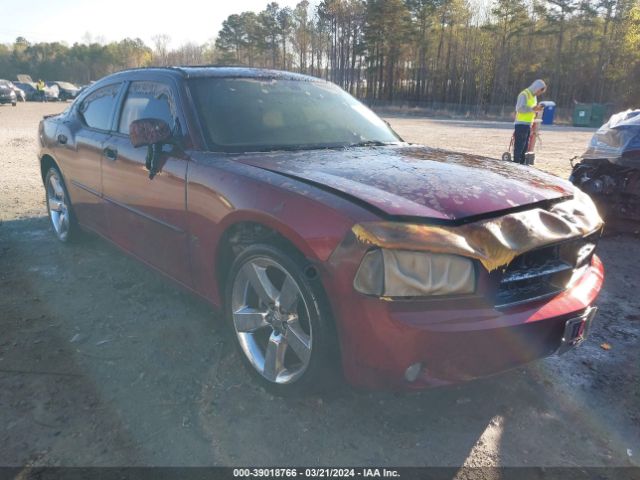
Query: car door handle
(110, 153)
(62, 139)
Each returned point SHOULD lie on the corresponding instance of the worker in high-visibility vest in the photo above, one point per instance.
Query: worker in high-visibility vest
(40, 87)
(526, 109)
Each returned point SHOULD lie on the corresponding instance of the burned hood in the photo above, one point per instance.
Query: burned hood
(495, 242)
(407, 180)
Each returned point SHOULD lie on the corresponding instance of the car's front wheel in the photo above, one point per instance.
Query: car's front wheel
(280, 320)
(59, 206)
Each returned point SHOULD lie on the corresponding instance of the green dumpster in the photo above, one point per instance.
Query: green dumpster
(598, 114)
(582, 115)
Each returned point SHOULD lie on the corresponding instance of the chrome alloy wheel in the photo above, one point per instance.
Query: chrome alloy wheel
(57, 205)
(271, 319)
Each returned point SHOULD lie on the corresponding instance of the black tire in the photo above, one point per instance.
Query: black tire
(506, 156)
(72, 232)
(14, 104)
(322, 370)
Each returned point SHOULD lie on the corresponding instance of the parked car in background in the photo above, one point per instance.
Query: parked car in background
(319, 233)
(67, 90)
(29, 90)
(609, 171)
(52, 92)
(7, 95)
(32, 95)
(20, 95)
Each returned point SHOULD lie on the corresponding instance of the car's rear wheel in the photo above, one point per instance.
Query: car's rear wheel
(280, 321)
(59, 206)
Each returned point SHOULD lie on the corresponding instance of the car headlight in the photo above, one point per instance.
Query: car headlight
(404, 273)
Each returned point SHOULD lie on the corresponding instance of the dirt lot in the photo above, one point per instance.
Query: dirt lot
(555, 147)
(102, 362)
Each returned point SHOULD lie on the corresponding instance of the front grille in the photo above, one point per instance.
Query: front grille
(545, 271)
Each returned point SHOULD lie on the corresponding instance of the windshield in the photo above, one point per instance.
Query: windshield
(257, 114)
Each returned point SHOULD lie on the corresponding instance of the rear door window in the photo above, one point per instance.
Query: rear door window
(147, 100)
(97, 108)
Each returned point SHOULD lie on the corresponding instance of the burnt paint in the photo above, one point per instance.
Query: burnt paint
(418, 181)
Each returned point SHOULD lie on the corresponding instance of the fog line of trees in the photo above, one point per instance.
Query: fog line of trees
(453, 52)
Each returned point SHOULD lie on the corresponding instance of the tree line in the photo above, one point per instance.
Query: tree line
(84, 62)
(425, 52)
(449, 51)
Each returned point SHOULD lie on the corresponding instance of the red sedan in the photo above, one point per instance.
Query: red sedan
(323, 238)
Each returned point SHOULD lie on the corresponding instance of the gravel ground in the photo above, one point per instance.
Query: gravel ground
(102, 362)
(555, 147)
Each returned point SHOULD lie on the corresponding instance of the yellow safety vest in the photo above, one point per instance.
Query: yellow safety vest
(532, 101)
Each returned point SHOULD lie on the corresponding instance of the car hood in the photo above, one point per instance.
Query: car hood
(408, 180)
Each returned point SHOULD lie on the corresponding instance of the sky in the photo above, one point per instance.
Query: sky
(76, 20)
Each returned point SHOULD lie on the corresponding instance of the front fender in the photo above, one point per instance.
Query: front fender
(222, 193)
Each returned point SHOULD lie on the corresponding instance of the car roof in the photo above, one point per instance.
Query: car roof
(203, 71)
(242, 72)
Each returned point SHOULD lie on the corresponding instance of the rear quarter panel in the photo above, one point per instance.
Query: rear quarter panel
(47, 130)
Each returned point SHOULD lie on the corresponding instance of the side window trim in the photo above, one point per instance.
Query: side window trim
(117, 101)
(120, 98)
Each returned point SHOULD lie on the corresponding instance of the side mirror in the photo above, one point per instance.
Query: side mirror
(149, 131)
(152, 133)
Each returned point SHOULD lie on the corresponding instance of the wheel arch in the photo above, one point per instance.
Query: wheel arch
(46, 162)
(244, 231)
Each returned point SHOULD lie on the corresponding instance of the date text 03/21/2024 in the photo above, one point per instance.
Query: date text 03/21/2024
(315, 472)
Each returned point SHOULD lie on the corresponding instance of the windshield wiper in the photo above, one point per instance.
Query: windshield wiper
(316, 146)
(288, 148)
(367, 143)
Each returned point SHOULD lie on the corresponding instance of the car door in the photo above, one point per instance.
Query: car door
(81, 140)
(147, 216)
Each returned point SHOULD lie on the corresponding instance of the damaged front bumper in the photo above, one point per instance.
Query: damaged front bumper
(431, 340)
(455, 339)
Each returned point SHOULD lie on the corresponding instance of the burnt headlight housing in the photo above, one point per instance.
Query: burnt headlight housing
(406, 273)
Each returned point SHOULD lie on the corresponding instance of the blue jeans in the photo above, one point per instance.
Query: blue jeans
(520, 142)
